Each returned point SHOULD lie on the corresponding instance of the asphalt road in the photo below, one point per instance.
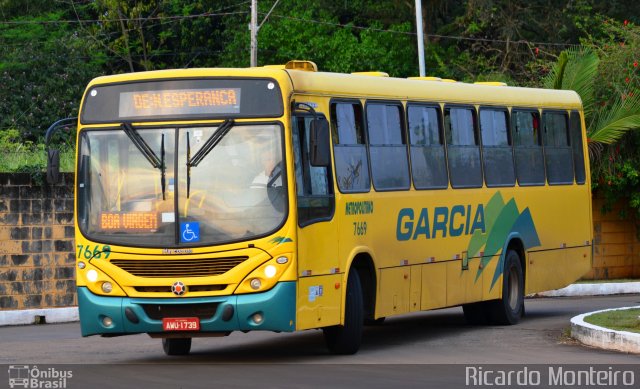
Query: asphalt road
(426, 349)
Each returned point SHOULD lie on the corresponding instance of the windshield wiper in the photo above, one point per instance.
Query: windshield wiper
(209, 145)
(148, 153)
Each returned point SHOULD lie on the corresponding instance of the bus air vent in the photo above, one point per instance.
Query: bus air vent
(191, 288)
(200, 310)
(157, 268)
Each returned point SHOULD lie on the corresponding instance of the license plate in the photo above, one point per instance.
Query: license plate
(181, 324)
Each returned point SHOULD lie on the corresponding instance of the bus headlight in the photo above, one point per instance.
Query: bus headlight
(270, 271)
(92, 275)
(265, 276)
(107, 287)
(255, 283)
(98, 282)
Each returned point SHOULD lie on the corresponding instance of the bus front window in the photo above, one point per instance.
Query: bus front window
(120, 193)
(238, 190)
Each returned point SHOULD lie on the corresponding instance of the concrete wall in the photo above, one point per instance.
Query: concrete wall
(617, 247)
(37, 259)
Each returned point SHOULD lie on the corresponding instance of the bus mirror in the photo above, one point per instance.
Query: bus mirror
(319, 142)
(53, 166)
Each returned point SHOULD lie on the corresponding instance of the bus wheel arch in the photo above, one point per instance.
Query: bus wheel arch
(363, 264)
(345, 339)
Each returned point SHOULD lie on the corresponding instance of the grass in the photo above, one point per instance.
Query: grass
(33, 160)
(620, 320)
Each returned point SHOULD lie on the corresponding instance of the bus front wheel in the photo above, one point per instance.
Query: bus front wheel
(510, 308)
(345, 339)
(176, 346)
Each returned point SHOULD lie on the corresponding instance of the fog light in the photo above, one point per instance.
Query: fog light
(92, 275)
(107, 321)
(81, 265)
(257, 318)
(107, 287)
(255, 284)
(270, 271)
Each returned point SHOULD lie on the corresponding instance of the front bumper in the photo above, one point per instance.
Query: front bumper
(229, 313)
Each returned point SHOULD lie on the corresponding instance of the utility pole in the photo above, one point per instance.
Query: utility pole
(255, 27)
(420, 35)
(254, 33)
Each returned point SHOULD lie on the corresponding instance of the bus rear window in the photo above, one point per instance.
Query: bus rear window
(182, 99)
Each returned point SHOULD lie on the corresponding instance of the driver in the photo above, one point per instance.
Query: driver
(269, 173)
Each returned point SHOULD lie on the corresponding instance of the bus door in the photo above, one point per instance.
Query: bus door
(319, 289)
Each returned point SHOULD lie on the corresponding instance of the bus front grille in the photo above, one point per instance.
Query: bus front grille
(155, 268)
(160, 311)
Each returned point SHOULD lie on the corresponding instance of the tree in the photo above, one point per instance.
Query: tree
(607, 80)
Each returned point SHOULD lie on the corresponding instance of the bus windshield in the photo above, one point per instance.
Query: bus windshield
(236, 191)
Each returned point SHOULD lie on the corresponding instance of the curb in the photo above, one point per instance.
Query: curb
(604, 338)
(34, 316)
(595, 289)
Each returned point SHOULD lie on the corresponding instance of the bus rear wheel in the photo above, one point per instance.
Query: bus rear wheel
(176, 346)
(346, 339)
(510, 308)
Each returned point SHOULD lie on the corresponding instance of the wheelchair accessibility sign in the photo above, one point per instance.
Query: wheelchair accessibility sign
(189, 232)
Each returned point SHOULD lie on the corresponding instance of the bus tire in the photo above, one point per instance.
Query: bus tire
(176, 346)
(374, 322)
(477, 313)
(346, 339)
(510, 308)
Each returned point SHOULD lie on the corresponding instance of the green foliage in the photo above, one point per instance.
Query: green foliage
(608, 85)
(17, 155)
(44, 67)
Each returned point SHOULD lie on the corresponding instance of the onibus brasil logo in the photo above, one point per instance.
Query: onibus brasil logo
(24, 376)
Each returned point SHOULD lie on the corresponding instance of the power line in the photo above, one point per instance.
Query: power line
(169, 19)
(84, 21)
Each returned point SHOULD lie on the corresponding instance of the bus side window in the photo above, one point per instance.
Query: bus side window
(575, 125)
(428, 166)
(314, 188)
(557, 151)
(496, 148)
(527, 147)
(349, 148)
(463, 152)
(387, 143)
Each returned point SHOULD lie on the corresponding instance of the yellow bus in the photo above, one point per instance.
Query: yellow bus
(282, 198)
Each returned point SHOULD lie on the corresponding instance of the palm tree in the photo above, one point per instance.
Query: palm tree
(576, 70)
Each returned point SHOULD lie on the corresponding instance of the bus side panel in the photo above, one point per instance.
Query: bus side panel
(416, 288)
(569, 264)
(318, 302)
(456, 290)
(490, 290)
(394, 291)
(434, 285)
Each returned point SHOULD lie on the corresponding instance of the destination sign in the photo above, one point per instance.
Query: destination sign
(179, 102)
(182, 99)
(129, 221)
